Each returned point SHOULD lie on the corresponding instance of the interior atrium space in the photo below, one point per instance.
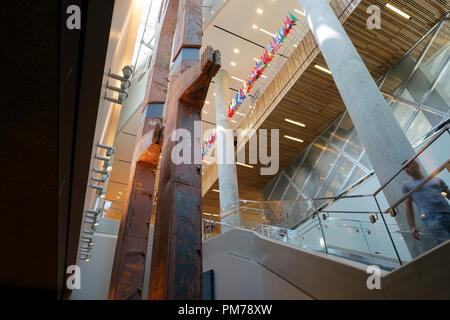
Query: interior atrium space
(229, 150)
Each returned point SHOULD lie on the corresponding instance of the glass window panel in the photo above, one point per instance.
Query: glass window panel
(402, 112)
(422, 123)
(290, 169)
(320, 170)
(267, 190)
(328, 133)
(326, 162)
(280, 188)
(311, 186)
(308, 164)
(401, 71)
(337, 178)
(354, 147)
(439, 98)
(357, 174)
(440, 42)
(366, 162)
(434, 60)
(291, 194)
(345, 130)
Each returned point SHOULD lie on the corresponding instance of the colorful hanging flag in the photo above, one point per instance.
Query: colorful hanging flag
(262, 63)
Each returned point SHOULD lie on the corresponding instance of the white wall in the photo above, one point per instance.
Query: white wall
(279, 271)
(96, 274)
(236, 278)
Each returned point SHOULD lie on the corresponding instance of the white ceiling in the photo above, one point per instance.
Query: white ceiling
(238, 17)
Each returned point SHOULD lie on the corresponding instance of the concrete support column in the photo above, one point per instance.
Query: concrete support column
(228, 183)
(383, 139)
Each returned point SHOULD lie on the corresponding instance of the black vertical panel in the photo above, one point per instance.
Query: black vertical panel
(29, 48)
(208, 285)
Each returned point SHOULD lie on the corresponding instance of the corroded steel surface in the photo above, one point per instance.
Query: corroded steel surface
(127, 278)
(131, 248)
(176, 271)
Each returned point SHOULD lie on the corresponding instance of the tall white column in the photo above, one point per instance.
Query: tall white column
(378, 130)
(228, 183)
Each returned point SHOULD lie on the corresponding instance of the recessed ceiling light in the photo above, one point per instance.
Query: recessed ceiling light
(236, 50)
(244, 165)
(259, 11)
(322, 68)
(267, 32)
(235, 78)
(207, 102)
(295, 139)
(255, 26)
(398, 11)
(233, 64)
(295, 122)
(299, 12)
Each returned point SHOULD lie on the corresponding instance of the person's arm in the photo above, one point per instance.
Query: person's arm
(410, 217)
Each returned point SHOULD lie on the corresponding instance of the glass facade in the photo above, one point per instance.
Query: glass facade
(416, 88)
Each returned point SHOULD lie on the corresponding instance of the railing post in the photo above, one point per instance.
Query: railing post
(388, 231)
(321, 227)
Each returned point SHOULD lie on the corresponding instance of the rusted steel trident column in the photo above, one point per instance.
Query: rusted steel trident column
(176, 271)
(127, 278)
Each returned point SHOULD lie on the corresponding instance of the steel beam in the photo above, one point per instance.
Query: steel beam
(127, 278)
(176, 270)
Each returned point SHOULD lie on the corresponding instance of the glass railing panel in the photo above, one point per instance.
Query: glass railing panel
(353, 228)
(308, 236)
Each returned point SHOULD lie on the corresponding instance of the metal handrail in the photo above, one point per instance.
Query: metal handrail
(446, 164)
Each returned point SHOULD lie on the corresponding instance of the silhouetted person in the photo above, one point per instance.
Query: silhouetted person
(430, 199)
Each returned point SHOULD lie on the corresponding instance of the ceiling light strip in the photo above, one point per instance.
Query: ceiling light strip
(294, 139)
(398, 11)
